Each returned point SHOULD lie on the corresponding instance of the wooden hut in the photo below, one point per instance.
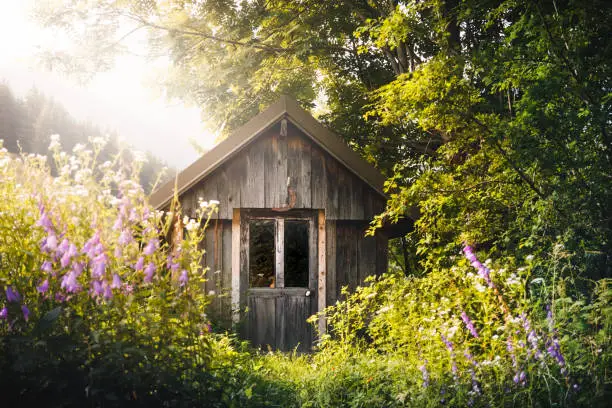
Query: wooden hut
(295, 201)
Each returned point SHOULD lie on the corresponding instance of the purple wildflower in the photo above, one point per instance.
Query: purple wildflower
(47, 267)
(43, 287)
(99, 266)
(469, 324)
(26, 312)
(90, 247)
(60, 297)
(116, 284)
(69, 282)
(4, 313)
(520, 378)
(45, 222)
(139, 264)
(65, 261)
(49, 244)
(128, 289)
(151, 246)
(96, 288)
(149, 271)
(12, 295)
(423, 369)
(448, 343)
(125, 237)
(106, 288)
(118, 224)
(63, 247)
(133, 215)
(172, 264)
(483, 271)
(474, 364)
(184, 278)
(554, 350)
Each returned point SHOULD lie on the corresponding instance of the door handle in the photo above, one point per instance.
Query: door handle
(307, 294)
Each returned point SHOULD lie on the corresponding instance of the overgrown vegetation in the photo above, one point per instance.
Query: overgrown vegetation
(492, 121)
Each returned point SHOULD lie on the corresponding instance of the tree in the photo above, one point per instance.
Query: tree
(493, 117)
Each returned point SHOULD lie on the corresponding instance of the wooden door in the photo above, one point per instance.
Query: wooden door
(281, 276)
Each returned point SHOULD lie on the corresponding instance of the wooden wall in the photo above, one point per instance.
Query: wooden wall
(275, 171)
(350, 258)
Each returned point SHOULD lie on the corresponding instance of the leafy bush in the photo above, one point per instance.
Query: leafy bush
(94, 305)
(479, 335)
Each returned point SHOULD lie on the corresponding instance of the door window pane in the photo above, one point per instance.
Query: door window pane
(261, 253)
(296, 253)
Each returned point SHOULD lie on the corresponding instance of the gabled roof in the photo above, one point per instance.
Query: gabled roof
(287, 108)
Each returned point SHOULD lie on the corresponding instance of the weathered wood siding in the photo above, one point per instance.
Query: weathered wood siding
(351, 257)
(218, 260)
(277, 171)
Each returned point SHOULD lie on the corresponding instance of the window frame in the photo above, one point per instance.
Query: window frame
(279, 218)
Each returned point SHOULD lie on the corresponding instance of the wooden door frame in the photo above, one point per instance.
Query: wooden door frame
(240, 256)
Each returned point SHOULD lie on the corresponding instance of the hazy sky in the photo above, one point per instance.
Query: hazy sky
(123, 99)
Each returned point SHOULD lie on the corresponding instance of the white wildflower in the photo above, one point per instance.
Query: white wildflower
(79, 147)
(139, 157)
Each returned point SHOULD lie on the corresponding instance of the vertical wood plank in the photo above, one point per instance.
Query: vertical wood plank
(236, 177)
(353, 236)
(252, 194)
(357, 198)
(225, 205)
(322, 287)
(226, 275)
(236, 265)
(345, 195)
(367, 257)
(330, 261)
(279, 257)
(207, 190)
(304, 184)
(332, 181)
(294, 168)
(278, 186)
(281, 319)
(318, 179)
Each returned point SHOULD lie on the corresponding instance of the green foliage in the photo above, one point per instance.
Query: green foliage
(403, 342)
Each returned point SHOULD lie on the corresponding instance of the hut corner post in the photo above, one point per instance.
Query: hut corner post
(322, 287)
(236, 266)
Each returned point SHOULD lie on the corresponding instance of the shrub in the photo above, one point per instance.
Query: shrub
(472, 335)
(94, 306)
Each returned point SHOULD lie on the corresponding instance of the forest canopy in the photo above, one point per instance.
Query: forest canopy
(492, 117)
